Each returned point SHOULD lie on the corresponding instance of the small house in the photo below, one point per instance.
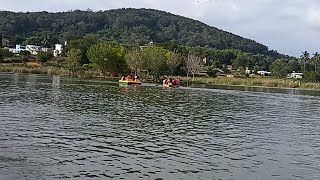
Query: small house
(47, 50)
(33, 49)
(57, 50)
(264, 73)
(295, 75)
(150, 44)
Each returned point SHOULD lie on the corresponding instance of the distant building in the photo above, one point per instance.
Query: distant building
(150, 44)
(264, 73)
(17, 49)
(48, 50)
(295, 75)
(57, 50)
(249, 71)
(33, 49)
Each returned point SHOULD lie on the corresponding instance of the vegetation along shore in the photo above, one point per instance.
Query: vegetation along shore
(152, 43)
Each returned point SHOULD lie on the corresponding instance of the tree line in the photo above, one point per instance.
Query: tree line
(174, 59)
(90, 52)
(115, 59)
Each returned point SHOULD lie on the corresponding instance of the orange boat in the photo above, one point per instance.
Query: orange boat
(130, 82)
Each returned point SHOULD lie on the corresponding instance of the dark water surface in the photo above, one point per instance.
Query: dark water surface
(59, 128)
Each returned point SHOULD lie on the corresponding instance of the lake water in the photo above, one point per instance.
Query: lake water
(59, 128)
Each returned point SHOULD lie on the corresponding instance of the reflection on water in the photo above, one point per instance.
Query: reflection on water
(52, 127)
(292, 91)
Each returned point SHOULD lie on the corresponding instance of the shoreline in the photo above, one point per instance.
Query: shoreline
(255, 83)
(264, 87)
(291, 84)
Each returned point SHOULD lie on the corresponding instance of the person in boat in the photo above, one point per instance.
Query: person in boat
(176, 82)
(123, 78)
(129, 78)
(164, 81)
(136, 77)
(167, 82)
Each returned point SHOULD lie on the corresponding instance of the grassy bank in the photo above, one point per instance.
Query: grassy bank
(267, 82)
(47, 70)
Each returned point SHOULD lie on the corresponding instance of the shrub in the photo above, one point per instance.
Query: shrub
(212, 71)
(44, 56)
(311, 76)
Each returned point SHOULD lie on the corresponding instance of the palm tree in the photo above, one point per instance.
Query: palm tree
(45, 42)
(305, 57)
(316, 60)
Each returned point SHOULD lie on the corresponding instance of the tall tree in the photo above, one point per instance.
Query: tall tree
(316, 60)
(279, 68)
(173, 61)
(154, 61)
(73, 60)
(108, 58)
(135, 60)
(305, 58)
(46, 42)
(193, 64)
(83, 44)
(293, 65)
(242, 61)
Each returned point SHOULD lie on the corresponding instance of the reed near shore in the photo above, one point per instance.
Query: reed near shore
(264, 82)
(267, 82)
(46, 70)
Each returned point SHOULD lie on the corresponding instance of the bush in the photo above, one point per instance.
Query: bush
(5, 53)
(24, 53)
(212, 71)
(24, 56)
(311, 76)
(1, 56)
(88, 67)
(44, 56)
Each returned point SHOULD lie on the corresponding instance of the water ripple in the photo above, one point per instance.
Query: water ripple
(59, 128)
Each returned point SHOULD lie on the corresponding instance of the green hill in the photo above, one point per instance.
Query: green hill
(129, 26)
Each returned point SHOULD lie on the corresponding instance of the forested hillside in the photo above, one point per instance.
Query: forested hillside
(127, 26)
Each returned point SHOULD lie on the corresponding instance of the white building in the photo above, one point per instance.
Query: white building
(150, 44)
(264, 73)
(57, 50)
(33, 49)
(295, 75)
(17, 49)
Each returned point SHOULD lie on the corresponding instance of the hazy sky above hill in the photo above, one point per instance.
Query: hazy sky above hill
(288, 26)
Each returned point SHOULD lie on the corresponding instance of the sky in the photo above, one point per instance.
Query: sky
(288, 26)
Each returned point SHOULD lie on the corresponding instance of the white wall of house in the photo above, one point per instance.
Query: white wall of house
(57, 50)
(295, 75)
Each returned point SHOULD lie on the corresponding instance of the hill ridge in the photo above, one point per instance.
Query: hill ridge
(125, 25)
